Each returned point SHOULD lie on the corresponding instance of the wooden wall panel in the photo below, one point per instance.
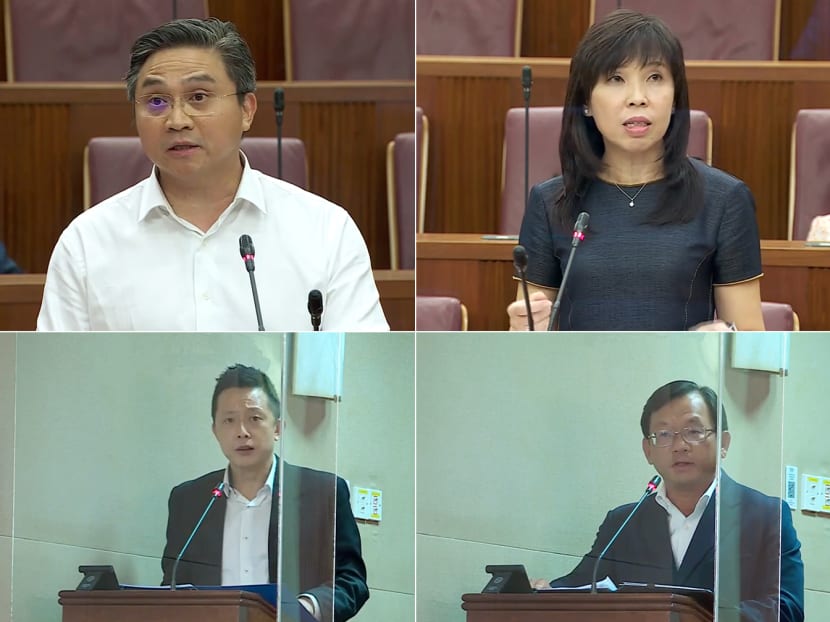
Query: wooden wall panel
(260, 23)
(553, 28)
(752, 105)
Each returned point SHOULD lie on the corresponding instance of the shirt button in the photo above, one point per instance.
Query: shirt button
(205, 296)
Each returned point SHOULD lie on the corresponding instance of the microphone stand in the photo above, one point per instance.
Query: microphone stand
(527, 82)
(650, 488)
(578, 235)
(216, 492)
(279, 109)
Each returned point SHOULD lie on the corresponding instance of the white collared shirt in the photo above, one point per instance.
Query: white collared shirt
(130, 263)
(245, 536)
(682, 527)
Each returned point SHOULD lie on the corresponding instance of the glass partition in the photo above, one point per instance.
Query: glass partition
(531, 452)
(346, 446)
(7, 424)
(106, 426)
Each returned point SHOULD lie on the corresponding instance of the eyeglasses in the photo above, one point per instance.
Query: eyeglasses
(194, 104)
(693, 436)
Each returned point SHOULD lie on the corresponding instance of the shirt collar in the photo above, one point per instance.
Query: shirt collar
(661, 498)
(269, 481)
(249, 190)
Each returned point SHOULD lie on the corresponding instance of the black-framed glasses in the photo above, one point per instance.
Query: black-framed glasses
(693, 436)
(193, 104)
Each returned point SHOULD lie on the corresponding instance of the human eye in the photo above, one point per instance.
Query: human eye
(156, 103)
(199, 98)
(664, 435)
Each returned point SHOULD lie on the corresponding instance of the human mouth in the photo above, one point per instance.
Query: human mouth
(636, 126)
(183, 148)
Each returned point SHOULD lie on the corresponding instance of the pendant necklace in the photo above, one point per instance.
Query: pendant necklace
(629, 197)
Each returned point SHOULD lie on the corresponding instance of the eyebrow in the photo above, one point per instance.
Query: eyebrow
(195, 78)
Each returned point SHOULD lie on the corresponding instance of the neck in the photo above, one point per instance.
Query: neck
(628, 170)
(249, 481)
(685, 499)
(201, 201)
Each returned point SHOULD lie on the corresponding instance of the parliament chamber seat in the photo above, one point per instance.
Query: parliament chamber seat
(82, 40)
(712, 29)
(114, 163)
(469, 27)
(545, 128)
(354, 40)
(809, 171)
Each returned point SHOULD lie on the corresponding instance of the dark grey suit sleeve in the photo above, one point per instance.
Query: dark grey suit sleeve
(7, 265)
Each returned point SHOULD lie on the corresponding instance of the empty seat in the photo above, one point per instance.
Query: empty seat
(809, 171)
(469, 27)
(354, 40)
(439, 313)
(82, 40)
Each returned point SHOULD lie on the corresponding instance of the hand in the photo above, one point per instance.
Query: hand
(540, 307)
(718, 326)
(539, 584)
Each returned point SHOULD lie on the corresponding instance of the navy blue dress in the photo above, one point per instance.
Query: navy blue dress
(630, 275)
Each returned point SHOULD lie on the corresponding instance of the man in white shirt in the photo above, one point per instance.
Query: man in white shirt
(165, 254)
(239, 540)
(670, 539)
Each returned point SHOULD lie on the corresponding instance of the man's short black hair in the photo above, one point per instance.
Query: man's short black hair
(243, 377)
(681, 388)
(208, 33)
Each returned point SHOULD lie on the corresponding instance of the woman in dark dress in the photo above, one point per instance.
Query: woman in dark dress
(671, 240)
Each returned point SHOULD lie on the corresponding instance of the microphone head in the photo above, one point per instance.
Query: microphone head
(526, 77)
(582, 221)
(279, 99)
(218, 489)
(246, 246)
(315, 302)
(653, 483)
(519, 257)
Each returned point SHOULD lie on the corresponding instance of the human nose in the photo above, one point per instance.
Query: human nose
(242, 431)
(177, 118)
(684, 444)
(636, 93)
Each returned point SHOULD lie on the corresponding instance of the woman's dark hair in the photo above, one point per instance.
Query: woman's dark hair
(681, 388)
(208, 33)
(243, 377)
(625, 36)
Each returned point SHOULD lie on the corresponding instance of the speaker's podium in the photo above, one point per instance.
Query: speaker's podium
(584, 607)
(164, 606)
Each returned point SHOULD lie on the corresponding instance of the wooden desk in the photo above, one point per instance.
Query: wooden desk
(44, 128)
(21, 295)
(752, 106)
(480, 273)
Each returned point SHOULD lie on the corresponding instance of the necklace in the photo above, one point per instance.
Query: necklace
(629, 197)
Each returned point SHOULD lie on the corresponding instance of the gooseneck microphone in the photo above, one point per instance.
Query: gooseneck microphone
(520, 262)
(315, 308)
(527, 83)
(578, 236)
(279, 110)
(246, 249)
(650, 488)
(215, 494)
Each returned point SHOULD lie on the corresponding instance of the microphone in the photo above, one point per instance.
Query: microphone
(578, 236)
(520, 262)
(650, 488)
(279, 109)
(246, 249)
(215, 494)
(315, 308)
(527, 82)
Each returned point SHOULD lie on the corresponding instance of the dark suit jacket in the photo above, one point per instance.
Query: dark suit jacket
(310, 539)
(749, 585)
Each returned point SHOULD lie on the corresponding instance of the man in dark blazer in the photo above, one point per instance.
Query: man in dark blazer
(321, 551)
(756, 531)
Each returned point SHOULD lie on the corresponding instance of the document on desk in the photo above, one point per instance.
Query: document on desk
(605, 585)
